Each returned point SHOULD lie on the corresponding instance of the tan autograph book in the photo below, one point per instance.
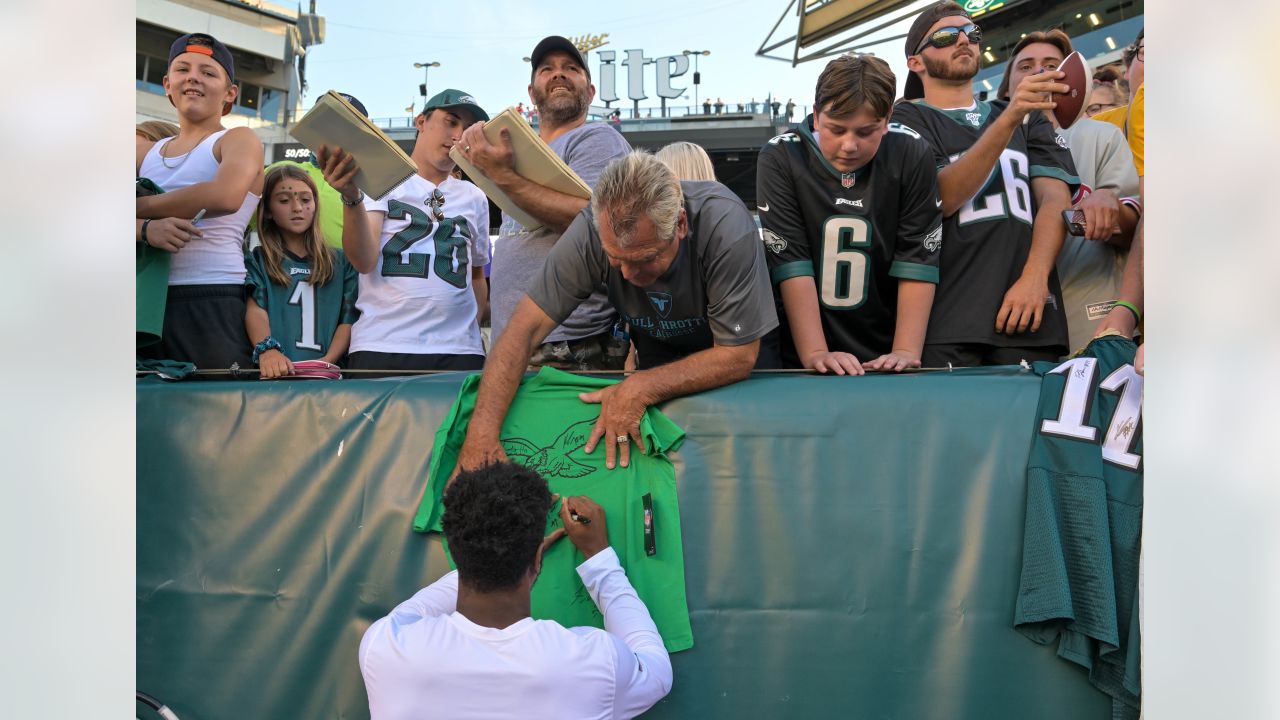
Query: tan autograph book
(335, 123)
(534, 160)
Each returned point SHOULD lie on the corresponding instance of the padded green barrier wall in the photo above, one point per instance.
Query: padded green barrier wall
(852, 545)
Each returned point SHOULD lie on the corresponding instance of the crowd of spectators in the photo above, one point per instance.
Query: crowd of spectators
(421, 296)
(897, 230)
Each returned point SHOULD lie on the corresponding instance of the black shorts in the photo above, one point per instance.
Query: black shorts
(204, 325)
(396, 363)
(938, 355)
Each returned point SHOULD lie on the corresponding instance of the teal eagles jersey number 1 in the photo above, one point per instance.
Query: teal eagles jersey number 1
(303, 316)
(1083, 529)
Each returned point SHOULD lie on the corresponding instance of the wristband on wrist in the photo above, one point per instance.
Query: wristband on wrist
(1137, 315)
(353, 203)
(269, 343)
(143, 234)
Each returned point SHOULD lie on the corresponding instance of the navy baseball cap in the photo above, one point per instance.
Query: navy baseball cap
(555, 43)
(205, 45)
(354, 103)
(456, 99)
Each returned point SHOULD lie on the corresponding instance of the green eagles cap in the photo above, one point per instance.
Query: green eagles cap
(452, 99)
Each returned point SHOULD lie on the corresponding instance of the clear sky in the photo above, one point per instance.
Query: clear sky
(370, 48)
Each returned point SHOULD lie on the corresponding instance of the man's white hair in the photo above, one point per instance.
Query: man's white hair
(637, 182)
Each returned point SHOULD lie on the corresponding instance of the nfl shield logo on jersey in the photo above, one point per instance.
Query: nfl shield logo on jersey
(846, 179)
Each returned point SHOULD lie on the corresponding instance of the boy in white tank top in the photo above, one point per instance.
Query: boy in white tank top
(420, 250)
(210, 171)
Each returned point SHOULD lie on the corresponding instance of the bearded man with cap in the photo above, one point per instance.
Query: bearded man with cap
(205, 170)
(561, 90)
(1004, 179)
(420, 251)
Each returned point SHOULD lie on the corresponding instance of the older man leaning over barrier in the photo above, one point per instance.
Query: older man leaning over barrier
(684, 267)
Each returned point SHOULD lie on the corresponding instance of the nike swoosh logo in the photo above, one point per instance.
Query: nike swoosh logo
(763, 208)
(937, 203)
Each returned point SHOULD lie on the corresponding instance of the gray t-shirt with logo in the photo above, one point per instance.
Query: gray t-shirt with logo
(715, 292)
(518, 255)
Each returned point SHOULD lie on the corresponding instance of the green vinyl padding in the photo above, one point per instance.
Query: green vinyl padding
(852, 545)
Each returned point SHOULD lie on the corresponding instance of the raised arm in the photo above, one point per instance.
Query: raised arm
(497, 162)
(959, 181)
(361, 229)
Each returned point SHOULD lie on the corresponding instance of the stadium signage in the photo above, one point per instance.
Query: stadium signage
(973, 6)
(291, 151)
(666, 68)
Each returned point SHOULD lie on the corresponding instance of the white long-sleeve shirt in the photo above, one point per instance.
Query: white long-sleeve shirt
(425, 660)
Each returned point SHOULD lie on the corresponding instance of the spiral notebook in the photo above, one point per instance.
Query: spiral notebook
(335, 123)
(534, 160)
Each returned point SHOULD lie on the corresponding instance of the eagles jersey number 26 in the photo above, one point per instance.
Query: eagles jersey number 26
(451, 238)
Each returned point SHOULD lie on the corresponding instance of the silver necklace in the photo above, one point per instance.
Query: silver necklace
(183, 161)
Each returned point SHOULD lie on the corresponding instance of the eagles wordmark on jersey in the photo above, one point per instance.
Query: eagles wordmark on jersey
(302, 316)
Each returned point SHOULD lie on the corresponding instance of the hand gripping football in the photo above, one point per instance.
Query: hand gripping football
(1077, 78)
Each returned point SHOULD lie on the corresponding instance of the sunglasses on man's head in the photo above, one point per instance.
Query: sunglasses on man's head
(947, 36)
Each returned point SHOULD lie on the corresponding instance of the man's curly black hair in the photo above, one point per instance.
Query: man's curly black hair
(494, 519)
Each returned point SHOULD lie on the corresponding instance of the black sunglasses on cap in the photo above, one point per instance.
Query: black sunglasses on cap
(947, 36)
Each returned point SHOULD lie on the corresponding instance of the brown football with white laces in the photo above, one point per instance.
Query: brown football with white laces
(1077, 78)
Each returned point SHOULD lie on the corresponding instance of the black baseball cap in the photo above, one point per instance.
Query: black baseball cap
(914, 88)
(205, 45)
(555, 43)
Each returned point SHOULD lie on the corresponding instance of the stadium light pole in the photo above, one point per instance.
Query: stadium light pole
(426, 68)
(697, 77)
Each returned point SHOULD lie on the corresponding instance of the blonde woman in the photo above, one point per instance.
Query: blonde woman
(687, 160)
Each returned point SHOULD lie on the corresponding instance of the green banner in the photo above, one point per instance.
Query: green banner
(852, 545)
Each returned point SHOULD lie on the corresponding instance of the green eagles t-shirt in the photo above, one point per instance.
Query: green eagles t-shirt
(1083, 531)
(546, 429)
(303, 317)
